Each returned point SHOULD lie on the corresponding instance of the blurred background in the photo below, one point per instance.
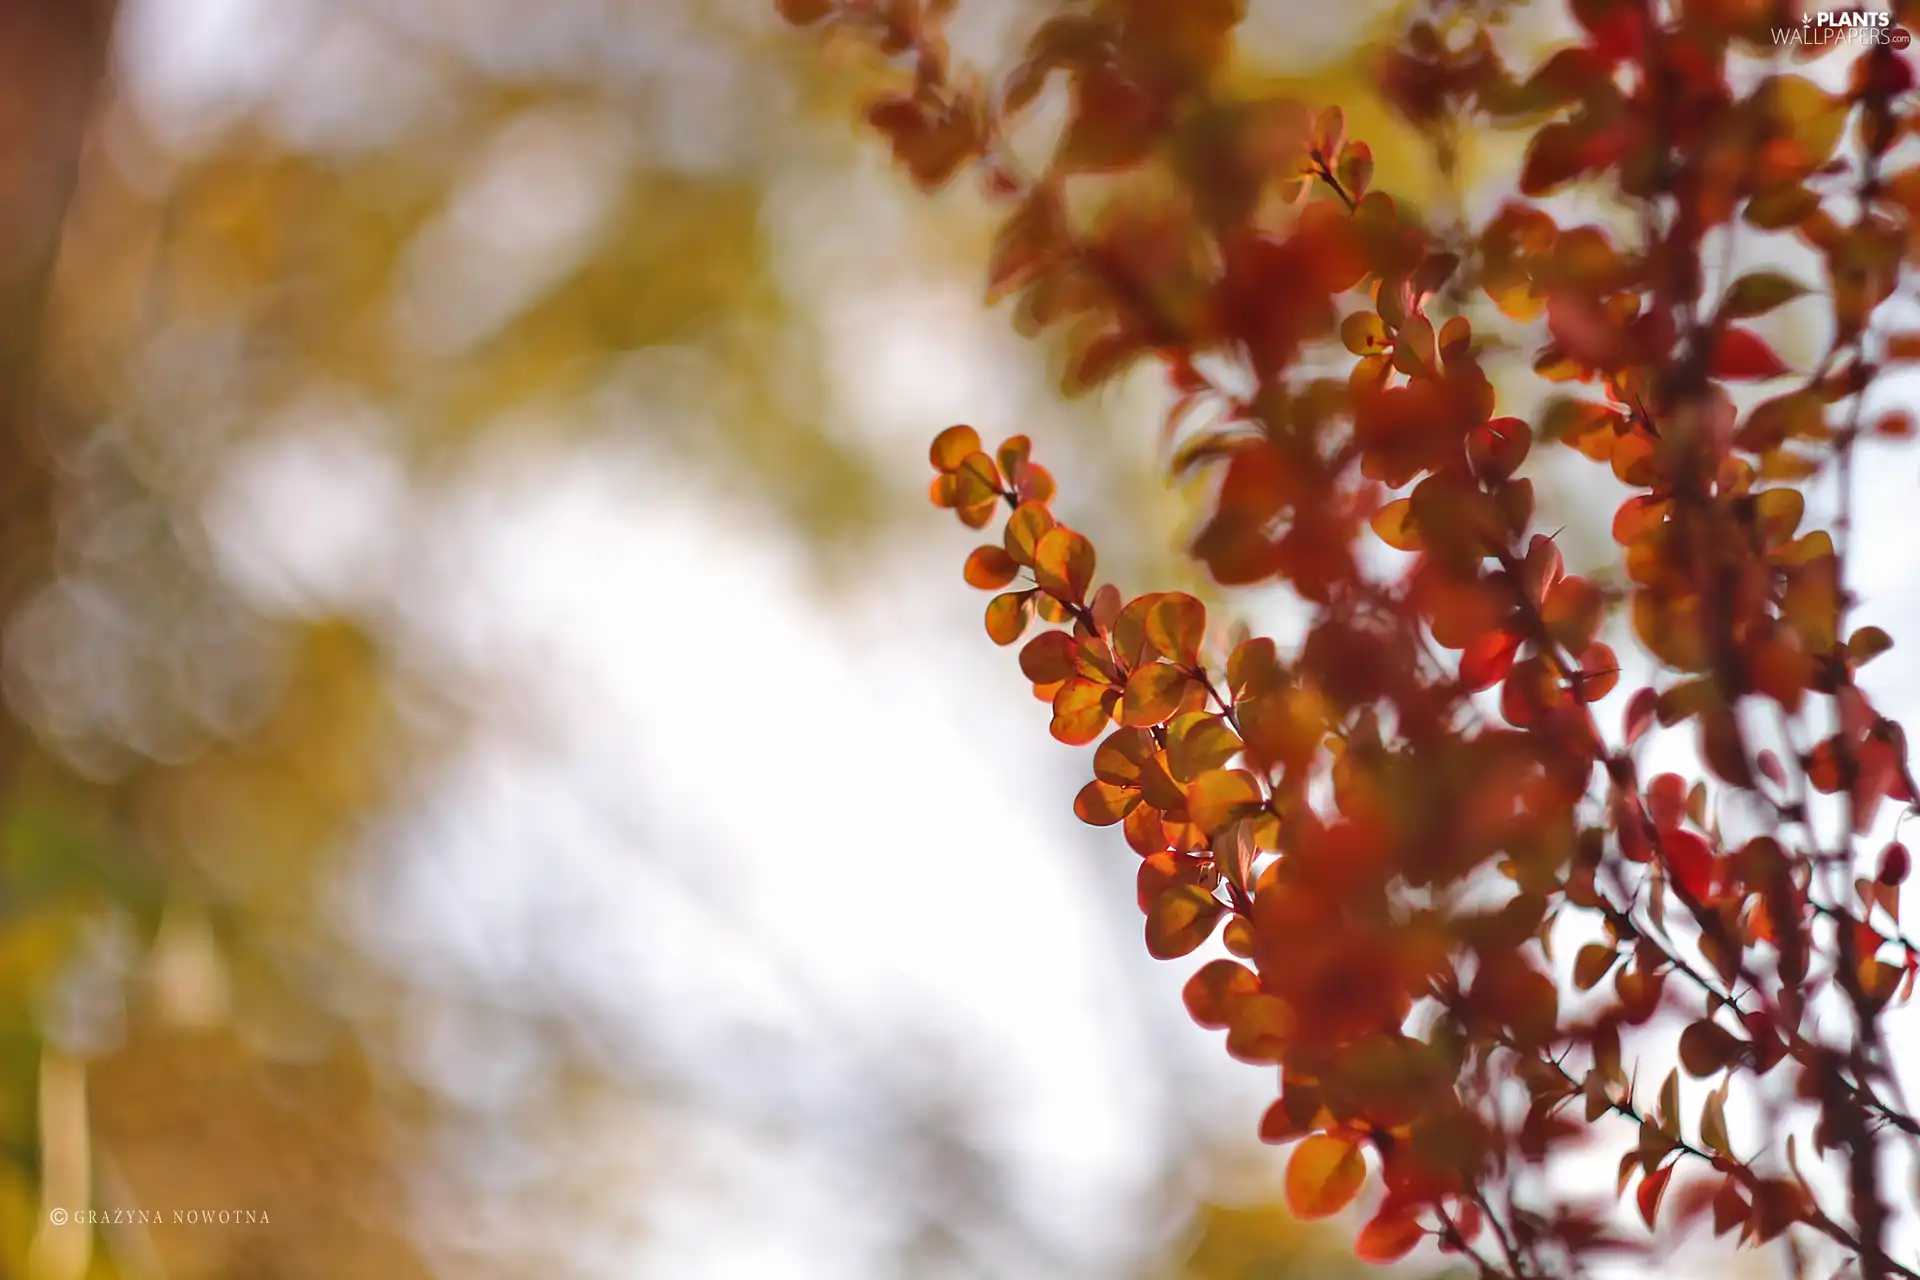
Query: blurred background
(502, 776)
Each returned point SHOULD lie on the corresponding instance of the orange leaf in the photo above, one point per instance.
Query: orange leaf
(1048, 657)
(1572, 612)
(1123, 757)
(1153, 694)
(1389, 1237)
(990, 568)
(1035, 483)
(1082, 710)
(1051, 610)
(1324, 1174)
(1262, 1027)
(1063, 564)
(1130, 629)
(1029, 522)
(1175, 625)
(803, 13)
(978, 513)
(1101, 804)
(1180, 920)
(1212, 993)
(1092, 660)
(1008, 616)
(952, 447)
(1742, 355)
(1637, 515)
(1197, 743)
(1146, 833)
(1280, 1124)
(1218, 798)
(1395, 527)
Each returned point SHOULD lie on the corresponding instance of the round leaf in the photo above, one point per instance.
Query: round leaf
(1153, 694)
(1082, 710)
(1324, 1174)
(1008, 615)
(1175, 625)
(1180, 920)
(1029, 522)
(952, 447)
(990, 568)
(1063, 564)
(1212, 993)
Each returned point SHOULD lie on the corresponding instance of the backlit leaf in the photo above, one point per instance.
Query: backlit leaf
(1175, 625)
(1123, 757)
(1324, 1174)
(1212, 993)
(1101, 804)
(1218, 798)
(1363, 333)
(1180, 920)
(990, 568)
(1389, 1236)
(1082, 711)
(1008, 616)
(1153, 694)
(1486, 661)
(1063, 563)
(1599, 672)
(1048, 657)
(1394, 523)
(1029, 522)
(1260, 1030)
(952, 447)
(1198, 743)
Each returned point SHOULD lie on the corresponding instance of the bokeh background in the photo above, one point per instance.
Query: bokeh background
(501, 774)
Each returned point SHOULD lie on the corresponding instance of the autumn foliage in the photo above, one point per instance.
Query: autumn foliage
(1455, 913)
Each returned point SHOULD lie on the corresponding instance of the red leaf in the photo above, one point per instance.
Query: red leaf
(1652, 1187)
(1389, 1237)
(1640, 712)
(1688, 860)
(1742, 355)
(1487, 660)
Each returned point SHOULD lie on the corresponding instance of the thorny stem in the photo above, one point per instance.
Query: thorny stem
(1817, 1218)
